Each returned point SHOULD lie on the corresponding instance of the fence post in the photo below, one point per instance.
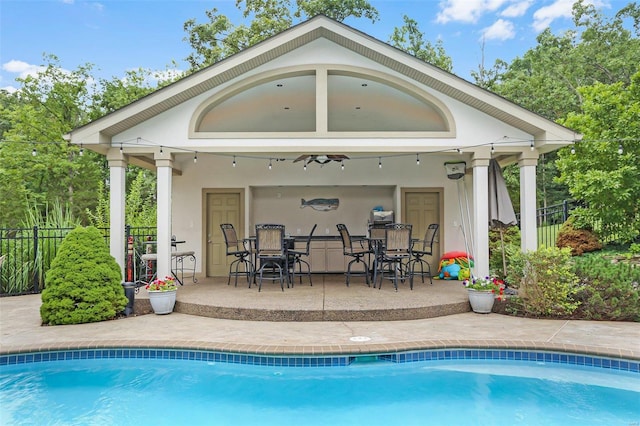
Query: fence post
(565, 211)
(36, 275)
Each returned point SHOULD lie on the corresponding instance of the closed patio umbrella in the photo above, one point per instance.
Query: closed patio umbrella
(501, 213)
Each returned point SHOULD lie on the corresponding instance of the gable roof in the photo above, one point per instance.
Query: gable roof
(100, 130)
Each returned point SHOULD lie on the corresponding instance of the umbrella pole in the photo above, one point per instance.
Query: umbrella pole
(504, 256)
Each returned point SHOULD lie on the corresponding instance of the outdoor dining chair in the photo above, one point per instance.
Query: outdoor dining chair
(396, 251)
(296, 258)
(357, 252)
(272, 254)
(242, 254)
(422, 248)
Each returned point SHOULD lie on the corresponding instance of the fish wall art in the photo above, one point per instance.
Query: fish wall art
(321, 204)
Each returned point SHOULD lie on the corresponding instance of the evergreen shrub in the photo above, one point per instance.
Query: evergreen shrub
(609, 290)
(84, 282)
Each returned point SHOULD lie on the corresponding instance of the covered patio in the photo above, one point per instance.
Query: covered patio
(224, 143)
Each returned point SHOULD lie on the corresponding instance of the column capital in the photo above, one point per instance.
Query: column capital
(481, 157)
(528, 158)
(115, 158)
(163, 159)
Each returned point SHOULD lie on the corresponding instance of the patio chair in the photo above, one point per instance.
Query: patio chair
(296, 258)
(242, 255)
(396, 251)
(356, 252)
(422, 248)
(272, 253)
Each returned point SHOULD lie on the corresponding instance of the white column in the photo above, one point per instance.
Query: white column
(164, 164)
(528, 227)
(480, 164)
(117, 192)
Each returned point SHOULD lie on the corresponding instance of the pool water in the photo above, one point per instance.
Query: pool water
(454, 392)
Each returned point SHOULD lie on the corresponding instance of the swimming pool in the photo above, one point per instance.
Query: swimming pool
(453, 386)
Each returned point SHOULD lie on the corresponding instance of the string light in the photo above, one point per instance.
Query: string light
(270, 166)
(34, 152)
(532, 145)
(305, 166)
(342, 165)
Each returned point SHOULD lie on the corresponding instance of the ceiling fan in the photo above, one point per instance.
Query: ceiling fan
(321, 158)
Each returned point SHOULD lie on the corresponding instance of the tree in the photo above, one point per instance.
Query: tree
(219, 38)
(604, 171)
(547, 78)
(411, 40)
(39, 166)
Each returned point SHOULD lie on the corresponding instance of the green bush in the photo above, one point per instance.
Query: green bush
(84, 282)
(545, 281)
(609, 290)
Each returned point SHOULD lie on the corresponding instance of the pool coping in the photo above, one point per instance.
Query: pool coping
(328, 350)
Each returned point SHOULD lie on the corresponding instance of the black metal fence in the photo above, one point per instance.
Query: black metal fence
(549, 220)
(27, 253)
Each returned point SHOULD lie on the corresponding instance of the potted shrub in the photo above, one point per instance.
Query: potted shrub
(162, 295)
(483, 293)
(84, 281)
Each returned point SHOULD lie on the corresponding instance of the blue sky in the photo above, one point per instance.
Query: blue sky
(119, 35)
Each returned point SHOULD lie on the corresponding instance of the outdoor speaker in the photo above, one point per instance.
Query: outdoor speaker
(455, 169)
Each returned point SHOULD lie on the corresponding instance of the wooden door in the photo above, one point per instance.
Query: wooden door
(421, 208)
(222, 207)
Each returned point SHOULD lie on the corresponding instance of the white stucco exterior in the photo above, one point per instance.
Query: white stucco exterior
(160, 131)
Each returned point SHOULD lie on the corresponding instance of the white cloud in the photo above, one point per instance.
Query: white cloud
(22, 68)
(466, 10)
(9, 89)
(517, 9)
(544, 16)
(500, 30)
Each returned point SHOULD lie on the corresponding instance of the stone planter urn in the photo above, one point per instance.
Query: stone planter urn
(162, 302)
(481, 301)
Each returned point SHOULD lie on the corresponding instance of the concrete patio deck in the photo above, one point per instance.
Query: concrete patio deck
(376, 325)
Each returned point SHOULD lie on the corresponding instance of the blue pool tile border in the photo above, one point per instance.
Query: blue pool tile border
(325, 361)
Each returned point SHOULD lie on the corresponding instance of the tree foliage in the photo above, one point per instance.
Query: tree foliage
(39, 166)
(219, 38)
(411, 40)
(547, 78)
(605, 179)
